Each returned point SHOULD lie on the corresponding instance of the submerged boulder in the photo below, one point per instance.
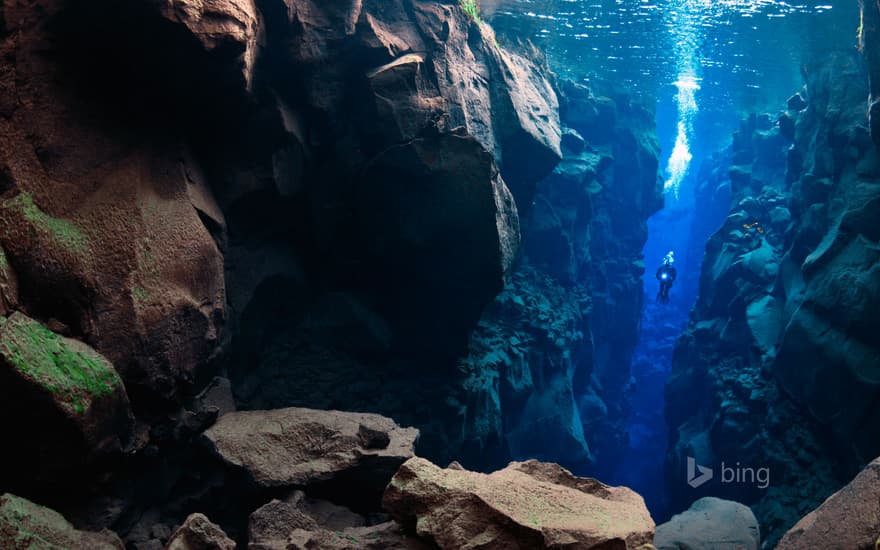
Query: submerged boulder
(710, 524)
(27, 526)
(848, 519)
(299, 447)
(77, 405)
(528, 505)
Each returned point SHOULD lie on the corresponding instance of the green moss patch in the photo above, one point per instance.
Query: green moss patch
(64, 232)
(71, 371)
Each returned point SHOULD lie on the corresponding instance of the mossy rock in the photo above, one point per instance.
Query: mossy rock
(73, 373)
(28, 526)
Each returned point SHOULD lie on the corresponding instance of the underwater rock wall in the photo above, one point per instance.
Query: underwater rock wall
(777, 369)
(316, 199)
(548, 369)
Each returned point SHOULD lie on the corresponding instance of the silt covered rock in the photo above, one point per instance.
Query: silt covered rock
(299, 447)
(528, 505)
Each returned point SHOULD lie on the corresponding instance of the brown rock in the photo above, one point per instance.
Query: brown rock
(849, 519)
(271, 525)
(27, 526)
(101, 220)
(198, 533)
(77, 405)
(219, 23)
(526, 505)
(298, 447)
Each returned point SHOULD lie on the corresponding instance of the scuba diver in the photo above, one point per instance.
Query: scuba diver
(666, 275)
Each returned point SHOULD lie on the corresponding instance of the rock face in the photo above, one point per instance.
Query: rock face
(850, 518)
(776, 370)
(298, 447)
(526, 505)
(198, 533)
(406, 142)
(315, 201)
(78, 410)
(547, 371)
(25, 525)
(102, 222)
(710, 524)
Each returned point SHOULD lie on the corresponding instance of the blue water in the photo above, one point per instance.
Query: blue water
(705, 64)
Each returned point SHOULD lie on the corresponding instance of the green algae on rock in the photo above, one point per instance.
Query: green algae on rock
(64, 232)
(77, 406)
(72, 372)
(28, 526)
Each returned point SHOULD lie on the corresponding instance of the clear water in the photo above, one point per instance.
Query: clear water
(705, 65)
(744, 54)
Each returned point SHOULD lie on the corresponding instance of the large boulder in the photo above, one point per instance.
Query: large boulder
(528, 505)
(849, 519)
(300, 447)
(77, 406)
(27, 526)
(710, 524)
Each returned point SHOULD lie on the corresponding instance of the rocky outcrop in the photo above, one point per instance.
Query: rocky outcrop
(547, 371)
(409, 144)
(775, 369)
(526, 505)
(25, 525)
(198, 533)
(78, 410)
(233, 26)
(850, 518)
(299, 447)
(710, 524)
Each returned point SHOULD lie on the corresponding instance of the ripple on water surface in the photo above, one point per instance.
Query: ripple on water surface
(746, 54)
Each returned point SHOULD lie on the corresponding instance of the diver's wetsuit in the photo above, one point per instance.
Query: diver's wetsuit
(666, 275)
